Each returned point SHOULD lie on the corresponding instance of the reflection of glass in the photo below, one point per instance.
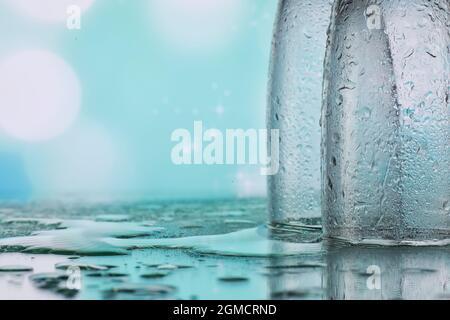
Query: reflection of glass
(386, 122)
(388, 273)
(297, 277)
(295, 90)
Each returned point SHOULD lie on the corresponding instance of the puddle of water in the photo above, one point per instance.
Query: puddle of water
(123, 252)
(15, 268)
(78, 237)
(19, 285)
(105, 238)
(254, 242)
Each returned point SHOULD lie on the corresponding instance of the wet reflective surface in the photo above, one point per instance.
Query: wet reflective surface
(197, 250)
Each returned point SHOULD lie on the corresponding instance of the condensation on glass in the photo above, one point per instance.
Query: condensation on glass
(386, 130)
(295, 96)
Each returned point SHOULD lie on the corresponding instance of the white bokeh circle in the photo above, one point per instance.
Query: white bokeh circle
(48, 10)
(39, 95)
(195, 24)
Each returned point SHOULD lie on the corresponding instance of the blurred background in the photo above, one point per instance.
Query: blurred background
(89, 112)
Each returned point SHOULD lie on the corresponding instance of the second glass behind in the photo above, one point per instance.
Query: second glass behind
(294, 108)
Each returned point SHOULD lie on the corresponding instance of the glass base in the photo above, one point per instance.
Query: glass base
(307, 230)
(390, 237)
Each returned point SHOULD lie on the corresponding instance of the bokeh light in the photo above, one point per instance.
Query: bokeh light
(200, 25)
(39, 95)
(140, 69)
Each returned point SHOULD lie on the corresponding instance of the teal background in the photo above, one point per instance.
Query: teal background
(138, 85)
